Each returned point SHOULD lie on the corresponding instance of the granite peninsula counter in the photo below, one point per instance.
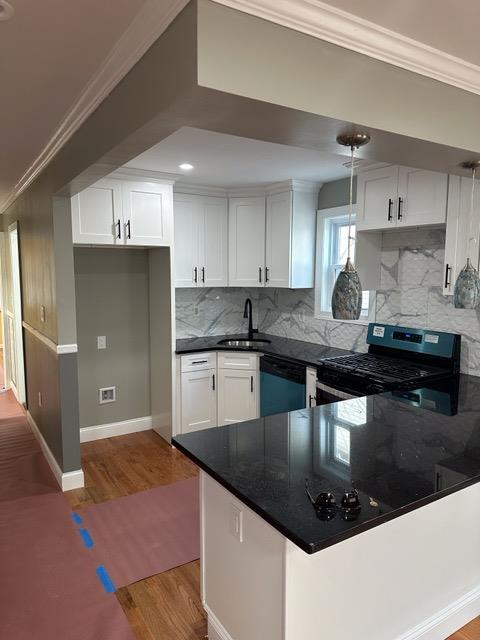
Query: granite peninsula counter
(273, 570)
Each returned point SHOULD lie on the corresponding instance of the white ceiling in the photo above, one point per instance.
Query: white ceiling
(49, 50)
(447, 25)
(221, 160)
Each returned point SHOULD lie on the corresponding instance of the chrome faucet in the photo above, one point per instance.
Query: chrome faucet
(247, 313)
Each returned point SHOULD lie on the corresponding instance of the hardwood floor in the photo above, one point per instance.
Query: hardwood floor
(166, 606)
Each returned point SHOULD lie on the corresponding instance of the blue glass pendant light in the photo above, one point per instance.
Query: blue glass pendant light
(347, 292)
(466, 294)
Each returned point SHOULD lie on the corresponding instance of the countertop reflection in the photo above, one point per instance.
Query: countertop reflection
(399, 450)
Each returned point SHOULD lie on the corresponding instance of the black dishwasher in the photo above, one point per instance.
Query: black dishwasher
(282, 385)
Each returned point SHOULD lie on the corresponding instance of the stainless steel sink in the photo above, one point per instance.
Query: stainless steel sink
(243, 343)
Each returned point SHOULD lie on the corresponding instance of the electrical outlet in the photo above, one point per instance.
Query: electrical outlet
(101, 342)
(42, 313)
(107, 394)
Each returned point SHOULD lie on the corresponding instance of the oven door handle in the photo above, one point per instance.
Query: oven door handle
(343, 395)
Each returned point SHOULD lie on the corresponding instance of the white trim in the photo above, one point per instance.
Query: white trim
(112, 429)
(216, 631)
(444, 623)
(148, 25)
(199, 190)
(60, 349)
(245, 192)
(70, 479)
(325, 22)
(66, 348)
(130, 173)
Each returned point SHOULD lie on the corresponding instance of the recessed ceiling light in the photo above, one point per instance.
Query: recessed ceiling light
(6, 10)
(186, 166)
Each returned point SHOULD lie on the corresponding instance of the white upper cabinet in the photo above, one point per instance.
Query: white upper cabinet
(121, 212)
(422, 197)
(200, 246)
(400, 197)
(278, 238)
(463, 231)
(97, 214)
(246, 246)
(214, 242)
(147, 210)
(272, 240)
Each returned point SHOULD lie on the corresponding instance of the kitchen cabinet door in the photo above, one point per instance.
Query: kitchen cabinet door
(147, 213)
(238, 396)
(311, 387)
(188, 224)
(278, 237)
(422, 197)
(376, 199)
(214, 243)
(97, 214)
(198, 400)
(463, 231)
(246, 234)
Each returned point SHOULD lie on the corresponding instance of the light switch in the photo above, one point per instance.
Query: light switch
(236, 522)
(101, 342)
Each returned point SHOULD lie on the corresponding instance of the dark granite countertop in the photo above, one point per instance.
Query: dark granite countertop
(307, 353)
(398, 455)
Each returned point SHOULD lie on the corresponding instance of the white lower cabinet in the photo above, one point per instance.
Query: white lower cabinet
(237, 396)
(199, 400)
(211, 396)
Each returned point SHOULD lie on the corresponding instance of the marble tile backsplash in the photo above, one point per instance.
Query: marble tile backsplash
(410, 294)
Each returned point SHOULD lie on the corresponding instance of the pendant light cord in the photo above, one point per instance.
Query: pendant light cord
(350, 212)
(472, 206)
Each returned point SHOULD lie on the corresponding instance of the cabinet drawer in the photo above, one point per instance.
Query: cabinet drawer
(237, 360)
(198, 361)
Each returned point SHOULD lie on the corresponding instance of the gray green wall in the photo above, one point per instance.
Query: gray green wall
(112, 300)
(337, 193)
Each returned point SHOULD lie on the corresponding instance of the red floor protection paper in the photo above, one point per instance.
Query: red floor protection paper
(146, 533)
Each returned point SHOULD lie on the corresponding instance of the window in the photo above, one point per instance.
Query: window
(332, 250)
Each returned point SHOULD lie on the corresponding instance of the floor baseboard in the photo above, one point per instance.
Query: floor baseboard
(444, 623)
(66, 480)
(112, 429)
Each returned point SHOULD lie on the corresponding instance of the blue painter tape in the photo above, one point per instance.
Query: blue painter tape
(105, 579)
(87, 538)
(77, 518)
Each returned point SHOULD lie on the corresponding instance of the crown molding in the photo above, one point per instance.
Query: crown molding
(147, 26)
(248, 191)
(325, 22)
(129, 173)
(189, 188)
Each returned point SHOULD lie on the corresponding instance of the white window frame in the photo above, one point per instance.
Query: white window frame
(324, 218)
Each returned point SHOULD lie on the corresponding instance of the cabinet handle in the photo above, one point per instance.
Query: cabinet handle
(390, 205)
(199, 361)
(129, 235)
(251, 384)
(195, 275)
(260, 275)
(119, 230)
(310, 398)
(203, 274)
(266, 274)
(213, 382)
(448, 273)
(399, 210)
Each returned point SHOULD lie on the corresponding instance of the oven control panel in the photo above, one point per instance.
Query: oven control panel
(426, 341)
